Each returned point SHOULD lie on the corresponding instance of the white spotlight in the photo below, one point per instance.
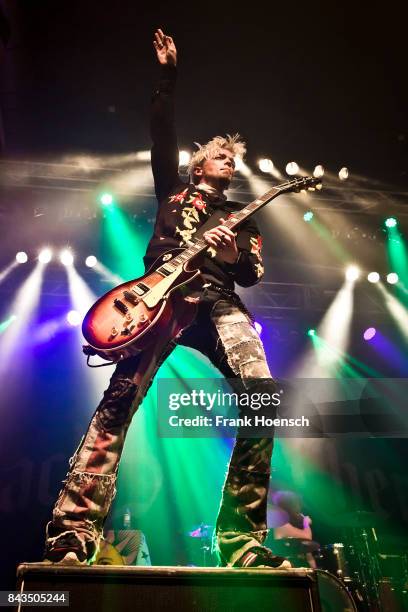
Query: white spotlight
(352, 273)
(239, 163)
(292, 168)
(21, 257)
(373, 277)
(318, 171)
(143, 156)
(184, 158)
(45, 256)
(91, 261)
(265, 165)
(392, 278)
(74, 318)
(343, 174)
(66, 257)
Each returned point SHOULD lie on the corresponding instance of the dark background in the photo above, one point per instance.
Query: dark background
(315, 82)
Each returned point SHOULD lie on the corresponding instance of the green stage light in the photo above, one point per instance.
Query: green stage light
(4, 324)
(106, 199)
(308, 216)
(390, 222)
(311, 332)
(392, 278)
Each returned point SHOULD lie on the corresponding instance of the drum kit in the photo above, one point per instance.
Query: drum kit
(202, 533)
(351, 574)
(357, 564)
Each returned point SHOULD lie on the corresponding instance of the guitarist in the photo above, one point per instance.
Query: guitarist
(223, 331)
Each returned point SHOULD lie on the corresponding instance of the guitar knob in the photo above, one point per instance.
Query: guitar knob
(114, 331)
(128, 317)
(142, 319)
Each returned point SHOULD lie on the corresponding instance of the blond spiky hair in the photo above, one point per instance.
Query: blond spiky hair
(211, 149)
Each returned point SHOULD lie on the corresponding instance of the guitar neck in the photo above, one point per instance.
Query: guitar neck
(236, 218)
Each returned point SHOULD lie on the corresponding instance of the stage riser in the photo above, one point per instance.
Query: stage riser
(126, 589)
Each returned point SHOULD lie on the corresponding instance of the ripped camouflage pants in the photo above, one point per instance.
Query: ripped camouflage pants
(225, 334)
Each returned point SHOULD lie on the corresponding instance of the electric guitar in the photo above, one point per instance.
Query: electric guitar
(132, 316)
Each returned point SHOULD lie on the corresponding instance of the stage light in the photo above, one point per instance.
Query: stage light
(4, 324)
(311, 332)
(318, 171)
(91, 261)
(343, 174)
(258, 328)
(45, 256)
(392, 278)
(239, 163)
(397, 310)
(143, 156)
(21, 257)
(265, 165)
(352, 273)
(369, 333)
(390, 222)
(184, 158)
(292, 168)
(308, 216)
(373, 277)
(106, 199)
(66, 257)
(74, 318)
(24, 308)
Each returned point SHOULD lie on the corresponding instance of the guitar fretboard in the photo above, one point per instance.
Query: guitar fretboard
(236, 218)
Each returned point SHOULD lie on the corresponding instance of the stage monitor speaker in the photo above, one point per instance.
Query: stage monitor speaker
(181, 589)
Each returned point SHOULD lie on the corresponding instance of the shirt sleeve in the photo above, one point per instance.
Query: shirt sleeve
(165, 152)
(248, 269)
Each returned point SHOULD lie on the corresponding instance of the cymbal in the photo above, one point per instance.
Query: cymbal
(275, 516)
(201, 531)
(358, 518)
(296, 545)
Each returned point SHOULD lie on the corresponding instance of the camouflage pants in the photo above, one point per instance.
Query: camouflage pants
(225, 334)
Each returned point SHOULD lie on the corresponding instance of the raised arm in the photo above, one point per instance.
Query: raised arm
(165, 153)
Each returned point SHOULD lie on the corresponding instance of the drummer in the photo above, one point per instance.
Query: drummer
(297, 525)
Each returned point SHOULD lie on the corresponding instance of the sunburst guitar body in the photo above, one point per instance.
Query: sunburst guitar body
(132, 316)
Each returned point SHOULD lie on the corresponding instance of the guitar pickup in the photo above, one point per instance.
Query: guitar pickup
(131, 297)
(140, 288)
(121, 306)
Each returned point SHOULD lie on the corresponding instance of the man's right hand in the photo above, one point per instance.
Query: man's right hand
(165, 48)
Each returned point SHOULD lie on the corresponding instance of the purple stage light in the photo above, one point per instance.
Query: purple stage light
(369, 333)
(258, 327)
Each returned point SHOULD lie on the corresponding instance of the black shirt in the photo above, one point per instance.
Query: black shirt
(183, 208)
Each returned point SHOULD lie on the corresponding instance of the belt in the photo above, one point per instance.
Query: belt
(232, 296)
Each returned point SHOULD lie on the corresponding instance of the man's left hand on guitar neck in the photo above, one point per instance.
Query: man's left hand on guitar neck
(223, 240)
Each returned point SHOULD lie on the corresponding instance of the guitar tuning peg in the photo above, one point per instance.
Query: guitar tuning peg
(319, 186)
(303, 191)
(311, 189)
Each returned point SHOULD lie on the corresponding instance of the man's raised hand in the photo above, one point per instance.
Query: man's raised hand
(165, 48)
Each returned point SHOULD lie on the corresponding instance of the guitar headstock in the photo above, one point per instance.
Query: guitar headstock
(305, 183)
